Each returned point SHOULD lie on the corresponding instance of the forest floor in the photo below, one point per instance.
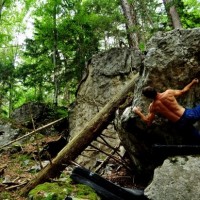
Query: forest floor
(20, 166)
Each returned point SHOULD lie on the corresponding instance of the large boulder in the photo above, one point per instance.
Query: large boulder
(106, 75)
(172, 60)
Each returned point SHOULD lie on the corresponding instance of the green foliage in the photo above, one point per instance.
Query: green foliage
(61, 112)
(191, 14)
(79, 27)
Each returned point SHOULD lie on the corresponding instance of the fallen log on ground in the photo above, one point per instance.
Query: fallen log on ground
(74, 148)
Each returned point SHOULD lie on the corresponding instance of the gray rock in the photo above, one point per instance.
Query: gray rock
(172, 61)
(178, 178)
(108, 72)
(7, 133)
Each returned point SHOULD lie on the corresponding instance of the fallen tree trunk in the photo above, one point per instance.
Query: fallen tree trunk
(74, 148)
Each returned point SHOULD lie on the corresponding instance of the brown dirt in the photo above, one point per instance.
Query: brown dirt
(16, 167)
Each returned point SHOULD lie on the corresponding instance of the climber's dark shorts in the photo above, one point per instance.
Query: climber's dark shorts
(189, 117)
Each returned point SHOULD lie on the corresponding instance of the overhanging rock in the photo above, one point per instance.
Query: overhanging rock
(172, 61)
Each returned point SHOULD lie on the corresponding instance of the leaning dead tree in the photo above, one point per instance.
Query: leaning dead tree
(74, 148)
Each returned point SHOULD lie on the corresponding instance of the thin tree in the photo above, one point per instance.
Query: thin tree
(1, 7)
(55, 54)
(172, 13)
(130, 23)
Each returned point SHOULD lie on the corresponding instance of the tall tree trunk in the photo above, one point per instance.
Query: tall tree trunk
(1, 7)
(12, 80)
(172, 14)
(74, 148)
(55, 55)
(10, 98)
(130, 23)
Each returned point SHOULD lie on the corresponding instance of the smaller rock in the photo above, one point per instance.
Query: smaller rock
(178, 178)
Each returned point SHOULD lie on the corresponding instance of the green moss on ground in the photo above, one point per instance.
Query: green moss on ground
(59, 190)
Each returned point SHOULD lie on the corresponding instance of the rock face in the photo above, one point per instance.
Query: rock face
(178, 178)
(172, 61)
(107, 73)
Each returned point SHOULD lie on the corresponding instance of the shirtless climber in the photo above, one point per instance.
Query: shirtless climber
(166, 104)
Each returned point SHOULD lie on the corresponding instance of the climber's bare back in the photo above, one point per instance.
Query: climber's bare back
(167, 105)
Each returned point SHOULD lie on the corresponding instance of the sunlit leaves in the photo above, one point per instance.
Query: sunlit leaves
(191, 14)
